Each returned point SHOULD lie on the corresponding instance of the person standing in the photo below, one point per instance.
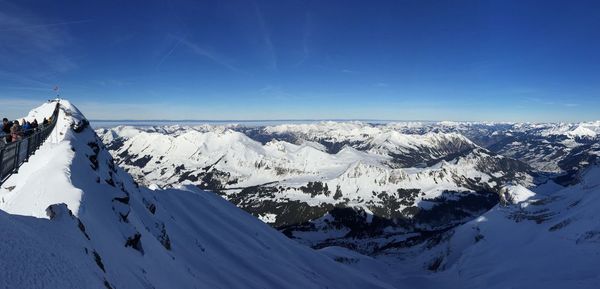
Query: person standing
(34, 124)
(6, 129)
(15, 132)
(26, 128)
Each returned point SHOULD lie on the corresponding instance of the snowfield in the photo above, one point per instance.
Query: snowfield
(354, 165)
(71, 219)
(434, 208)
(542, 241)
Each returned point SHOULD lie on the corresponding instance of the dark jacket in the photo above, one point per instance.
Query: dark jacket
(6, 128)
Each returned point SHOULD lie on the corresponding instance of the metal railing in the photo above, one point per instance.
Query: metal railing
(14, 154)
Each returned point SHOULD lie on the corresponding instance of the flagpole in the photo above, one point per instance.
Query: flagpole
(56, 89)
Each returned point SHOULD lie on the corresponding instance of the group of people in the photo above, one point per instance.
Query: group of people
(14, 131)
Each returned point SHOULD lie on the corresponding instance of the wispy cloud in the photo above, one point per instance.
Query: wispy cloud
(266, 35)
(113, 82)
(25, 26)
(162, 59)
(33, 50)
(306, 36)
(22, 80)
(19, 102)
(539, 100)
(542, 101)
(213, 56)
(27, 88)
(532, 99)
(275, 92)
(381, 84)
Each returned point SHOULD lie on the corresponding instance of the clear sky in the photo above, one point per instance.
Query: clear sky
(242, 59)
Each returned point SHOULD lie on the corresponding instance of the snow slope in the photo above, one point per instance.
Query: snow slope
(162, 155)
(70, 218)
(409, 182)
(221, 158)
(555, 238)
(540, 241)
(247, 161)
(548, 147)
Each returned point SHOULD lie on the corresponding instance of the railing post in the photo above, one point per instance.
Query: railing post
(1, 164)
(16, 162)
(27, 152)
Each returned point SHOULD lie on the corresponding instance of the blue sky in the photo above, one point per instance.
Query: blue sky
(241, 59)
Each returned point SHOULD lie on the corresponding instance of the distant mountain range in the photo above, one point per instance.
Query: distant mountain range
(347, 205)
(347, 183)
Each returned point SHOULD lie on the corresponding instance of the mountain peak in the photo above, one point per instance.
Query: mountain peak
(76, 218)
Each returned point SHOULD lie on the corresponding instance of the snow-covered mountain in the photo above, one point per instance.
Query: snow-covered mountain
(456, 216)
(546, 238)
(71, 218)
(388, 179)
(554, 148)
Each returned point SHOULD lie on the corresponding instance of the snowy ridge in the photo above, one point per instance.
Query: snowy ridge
(379, 139)
(404, 181)
(71, 217)
(250, 163)
(357, 130)
(582, 130)
(547, 237)
(246, 161)
(541, 240)
(553, 148)
(550, 148)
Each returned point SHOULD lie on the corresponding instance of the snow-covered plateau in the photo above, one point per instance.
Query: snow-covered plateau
(320, 205)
